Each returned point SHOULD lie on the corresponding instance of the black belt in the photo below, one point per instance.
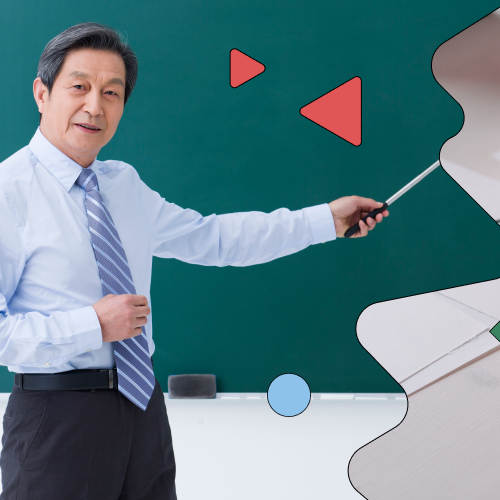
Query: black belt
(73, 380)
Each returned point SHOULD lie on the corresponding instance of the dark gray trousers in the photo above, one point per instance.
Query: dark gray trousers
(83, 445)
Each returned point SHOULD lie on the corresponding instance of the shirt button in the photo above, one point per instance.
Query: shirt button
(47, 364)
(88, 350)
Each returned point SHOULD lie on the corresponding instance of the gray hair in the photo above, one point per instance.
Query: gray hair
(86, 35)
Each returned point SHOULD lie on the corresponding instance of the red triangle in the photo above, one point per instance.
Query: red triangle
(243, 68)
(339, 111)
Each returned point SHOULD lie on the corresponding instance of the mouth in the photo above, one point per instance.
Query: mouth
(89, 129)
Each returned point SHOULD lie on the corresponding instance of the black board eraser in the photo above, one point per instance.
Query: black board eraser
(191, 386)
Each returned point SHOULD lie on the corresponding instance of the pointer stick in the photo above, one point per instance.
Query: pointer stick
(354, 229)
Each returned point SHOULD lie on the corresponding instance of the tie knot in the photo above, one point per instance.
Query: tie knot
(87, 180)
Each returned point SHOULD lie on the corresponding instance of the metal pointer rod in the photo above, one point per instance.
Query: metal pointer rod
(354, 229)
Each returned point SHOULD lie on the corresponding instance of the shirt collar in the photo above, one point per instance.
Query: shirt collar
(62, 167)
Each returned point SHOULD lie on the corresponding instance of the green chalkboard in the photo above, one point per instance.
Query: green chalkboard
(216, 149)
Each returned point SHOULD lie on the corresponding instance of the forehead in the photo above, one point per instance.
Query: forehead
(94, 62)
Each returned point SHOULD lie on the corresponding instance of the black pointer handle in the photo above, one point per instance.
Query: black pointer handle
(354, 229)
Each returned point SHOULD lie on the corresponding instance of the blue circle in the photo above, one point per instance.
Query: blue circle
(289, 395)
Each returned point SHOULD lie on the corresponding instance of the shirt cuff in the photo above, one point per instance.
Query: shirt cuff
(86, 328)
(321, 221)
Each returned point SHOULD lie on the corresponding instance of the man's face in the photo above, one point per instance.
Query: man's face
(89, 90)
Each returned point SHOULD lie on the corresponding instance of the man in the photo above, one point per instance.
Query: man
(86, 418)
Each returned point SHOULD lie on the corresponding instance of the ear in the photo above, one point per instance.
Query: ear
(41, 93)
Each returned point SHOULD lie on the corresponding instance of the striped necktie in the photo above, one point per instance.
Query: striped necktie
(136, 379)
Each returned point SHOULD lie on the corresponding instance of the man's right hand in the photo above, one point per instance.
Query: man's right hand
(121, 316)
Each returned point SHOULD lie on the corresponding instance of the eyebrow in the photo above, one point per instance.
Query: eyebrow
(81, 74)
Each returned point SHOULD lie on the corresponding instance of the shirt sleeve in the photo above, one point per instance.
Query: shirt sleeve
(237, 239)
(35, 339)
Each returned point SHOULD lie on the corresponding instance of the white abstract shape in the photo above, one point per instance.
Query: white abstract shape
(423, 338)
(483, 297)
(468, 67)
(406, 335)
(447, 446)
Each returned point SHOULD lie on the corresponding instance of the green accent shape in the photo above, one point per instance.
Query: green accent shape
(495, 331)
(204, 145)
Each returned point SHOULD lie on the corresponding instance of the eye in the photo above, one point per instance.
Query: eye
(78, 86)
(111, 92)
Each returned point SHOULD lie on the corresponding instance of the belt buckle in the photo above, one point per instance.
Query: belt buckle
(110, 378)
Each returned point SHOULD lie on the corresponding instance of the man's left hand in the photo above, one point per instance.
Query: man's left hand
(348, 210)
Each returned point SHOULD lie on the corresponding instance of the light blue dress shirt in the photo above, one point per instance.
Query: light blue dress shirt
(48, 273)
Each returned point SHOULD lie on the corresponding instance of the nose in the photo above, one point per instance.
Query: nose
(93, 103)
